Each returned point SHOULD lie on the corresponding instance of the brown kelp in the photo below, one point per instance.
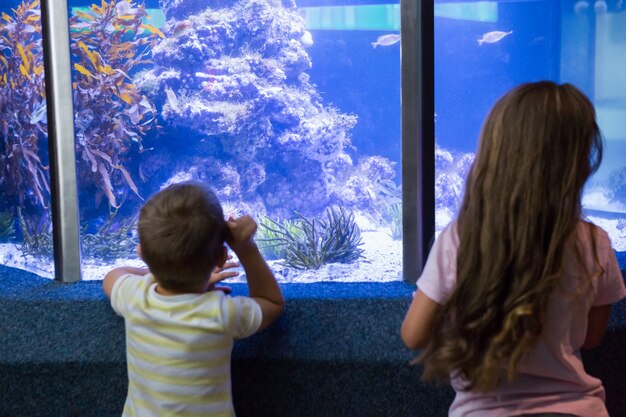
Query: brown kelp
(111, 115)
(23, 130)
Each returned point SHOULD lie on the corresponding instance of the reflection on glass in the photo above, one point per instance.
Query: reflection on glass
(292, 114)
(25, 221)
(483, 49)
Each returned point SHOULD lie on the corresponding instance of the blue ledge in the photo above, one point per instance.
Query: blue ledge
(335, 352)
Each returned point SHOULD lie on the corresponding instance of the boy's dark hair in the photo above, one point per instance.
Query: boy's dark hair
(182, 232)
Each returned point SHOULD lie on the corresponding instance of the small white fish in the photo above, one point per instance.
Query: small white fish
(387, 40)
(493, 37)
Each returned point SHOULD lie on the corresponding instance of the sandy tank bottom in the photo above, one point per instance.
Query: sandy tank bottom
(381, 262)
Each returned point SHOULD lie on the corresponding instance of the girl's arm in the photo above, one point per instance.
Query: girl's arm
(417, 325)
(597, 321)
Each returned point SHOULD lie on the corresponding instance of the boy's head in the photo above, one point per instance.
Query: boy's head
(182, 233)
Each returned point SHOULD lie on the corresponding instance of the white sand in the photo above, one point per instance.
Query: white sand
(382, 261)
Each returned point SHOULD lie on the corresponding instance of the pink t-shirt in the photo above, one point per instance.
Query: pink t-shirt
(551, 378)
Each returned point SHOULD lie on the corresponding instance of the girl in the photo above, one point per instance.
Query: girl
(532, 283)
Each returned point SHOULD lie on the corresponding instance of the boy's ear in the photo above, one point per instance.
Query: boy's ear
(139, 251)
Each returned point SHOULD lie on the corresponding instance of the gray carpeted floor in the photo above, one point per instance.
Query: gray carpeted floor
(336, 352)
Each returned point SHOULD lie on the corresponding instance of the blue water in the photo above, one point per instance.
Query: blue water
(364, 81)
(469, 78)
(550, 40)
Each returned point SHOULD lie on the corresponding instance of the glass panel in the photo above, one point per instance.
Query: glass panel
(605, 197)
(290, 113)
(483, 49)
(25, 216)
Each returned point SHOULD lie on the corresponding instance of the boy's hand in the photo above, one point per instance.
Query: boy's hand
(114, 274)
(262, 285)
(219, 274)
(242, 230)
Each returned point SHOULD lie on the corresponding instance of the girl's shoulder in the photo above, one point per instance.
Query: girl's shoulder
(588, 232)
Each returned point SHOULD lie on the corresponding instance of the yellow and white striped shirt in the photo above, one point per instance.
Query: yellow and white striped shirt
(178, 348)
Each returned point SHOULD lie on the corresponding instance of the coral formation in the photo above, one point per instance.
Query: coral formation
(232, 76)
(617, 185)
(451, 170)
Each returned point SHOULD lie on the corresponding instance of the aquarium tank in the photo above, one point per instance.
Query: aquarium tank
(291, 112)
(485, 48)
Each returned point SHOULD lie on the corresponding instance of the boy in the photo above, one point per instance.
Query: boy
(179, 333)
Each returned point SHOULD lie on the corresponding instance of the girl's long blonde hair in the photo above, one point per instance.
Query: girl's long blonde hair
(538, 146)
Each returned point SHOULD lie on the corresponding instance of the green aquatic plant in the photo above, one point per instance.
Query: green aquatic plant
(23, 130)
(7, 226)
(387, 208)
(318, 241)
(37, 238)
(270, 244)
(393, 219)
(108, 43)
(116, 238)
(341, 236)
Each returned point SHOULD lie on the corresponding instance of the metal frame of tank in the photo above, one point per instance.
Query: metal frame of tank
(418, 134)
(63, 189)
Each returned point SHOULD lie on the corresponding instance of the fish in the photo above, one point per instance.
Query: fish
(493, 37)
(386, 40)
